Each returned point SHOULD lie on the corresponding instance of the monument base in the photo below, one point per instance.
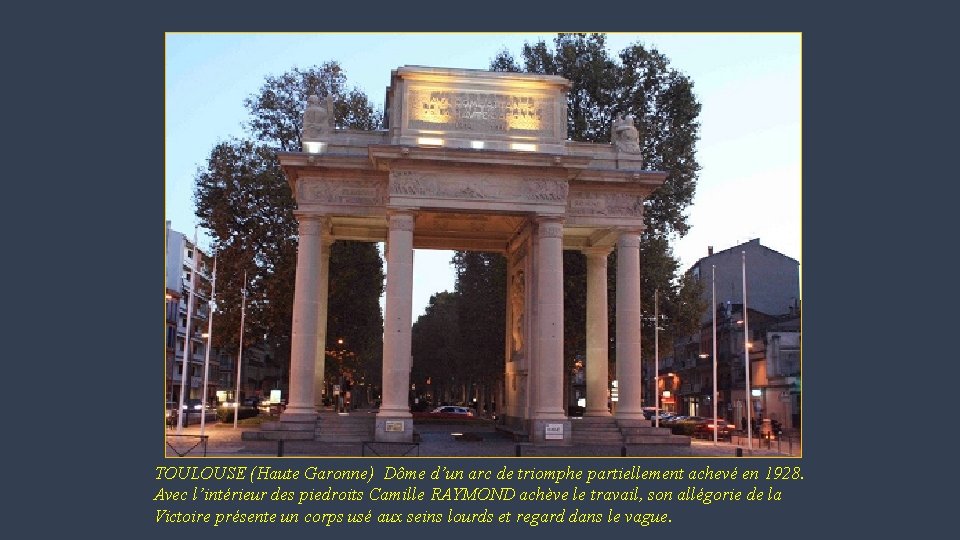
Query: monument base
(396, 429)
(551, 432)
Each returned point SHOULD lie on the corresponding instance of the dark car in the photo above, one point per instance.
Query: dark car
(193, 405)
(451, 411)
(705, 427)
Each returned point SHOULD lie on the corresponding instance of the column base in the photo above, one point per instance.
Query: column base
(393, 429)
(598, 412)
(630, 415)
(560, 431)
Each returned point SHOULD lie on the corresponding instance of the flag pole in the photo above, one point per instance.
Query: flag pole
(746, 353)
(656, 356)
(186, 340)
(212, 304)
(713, 286)
(243, 309)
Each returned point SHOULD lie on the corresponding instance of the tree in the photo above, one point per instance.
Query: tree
(436, 346)
(243, 199)
(639, 82)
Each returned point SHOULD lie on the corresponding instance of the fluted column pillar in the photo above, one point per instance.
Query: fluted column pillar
(394, 422)
(630, 405)
(597, 357)
(321, 355)
(303, 346)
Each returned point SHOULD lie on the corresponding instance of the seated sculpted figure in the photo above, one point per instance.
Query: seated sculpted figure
(317, 118)
(625, 135)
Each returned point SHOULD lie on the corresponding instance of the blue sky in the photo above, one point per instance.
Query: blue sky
(748, 85)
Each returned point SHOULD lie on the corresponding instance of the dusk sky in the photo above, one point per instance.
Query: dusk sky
(748, 84)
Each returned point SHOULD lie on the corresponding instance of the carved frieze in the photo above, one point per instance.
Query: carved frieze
(477, 187)
(517, 298)
(342, 192)
(604, 203)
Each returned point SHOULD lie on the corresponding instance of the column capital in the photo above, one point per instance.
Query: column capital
(549, 226)
(597, 251)
(401, 219)
(629, 239)
(311, 224)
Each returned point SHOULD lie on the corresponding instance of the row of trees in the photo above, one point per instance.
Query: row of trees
(243, 199)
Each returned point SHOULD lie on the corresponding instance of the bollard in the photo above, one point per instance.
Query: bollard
(280, 448)
(623, 451)
(739, 452)
(518, 450)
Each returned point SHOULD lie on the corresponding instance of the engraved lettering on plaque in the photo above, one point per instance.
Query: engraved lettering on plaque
(480, 112)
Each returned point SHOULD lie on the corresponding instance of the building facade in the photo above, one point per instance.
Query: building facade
(181, 265)
(773, 323)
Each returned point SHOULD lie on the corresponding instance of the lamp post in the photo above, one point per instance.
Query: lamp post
(186, 340)
(656, 356)
(206, 360)
(746, 352)
(243, 310)
(713, 286)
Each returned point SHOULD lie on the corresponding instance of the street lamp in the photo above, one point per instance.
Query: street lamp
(243, 310)
(209, 336)
(186, 340)
(713, 289)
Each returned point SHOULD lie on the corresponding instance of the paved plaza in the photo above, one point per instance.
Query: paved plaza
(442, 440)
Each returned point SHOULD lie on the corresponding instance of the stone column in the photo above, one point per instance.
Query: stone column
(549, 331)
(303, 346)
(322, 323)
(394, 422)
(630, 405)
(597, 391)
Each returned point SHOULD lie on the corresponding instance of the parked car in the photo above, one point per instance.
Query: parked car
(171, 413)
(452, 411)
(192, 405)
(705, 427)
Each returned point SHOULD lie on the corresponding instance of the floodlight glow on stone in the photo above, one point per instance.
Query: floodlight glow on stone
(429, 141)
(523, 147)
(314, 147)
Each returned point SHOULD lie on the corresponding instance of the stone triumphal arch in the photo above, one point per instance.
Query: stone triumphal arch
(474, 160)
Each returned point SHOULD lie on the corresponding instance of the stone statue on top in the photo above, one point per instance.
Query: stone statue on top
(317, 118)
(625, 135)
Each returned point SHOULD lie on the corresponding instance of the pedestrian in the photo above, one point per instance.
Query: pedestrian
(743, 423)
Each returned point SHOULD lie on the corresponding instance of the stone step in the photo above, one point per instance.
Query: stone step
(627, 431)
(596, 420)
(345, 428)
(277, 435)
(681, 440)
(288, 426)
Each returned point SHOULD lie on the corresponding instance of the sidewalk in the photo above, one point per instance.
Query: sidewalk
(454, 440)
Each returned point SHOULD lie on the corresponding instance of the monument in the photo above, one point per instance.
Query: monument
(475, 160)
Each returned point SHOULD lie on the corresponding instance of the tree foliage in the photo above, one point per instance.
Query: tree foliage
(243, 199)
